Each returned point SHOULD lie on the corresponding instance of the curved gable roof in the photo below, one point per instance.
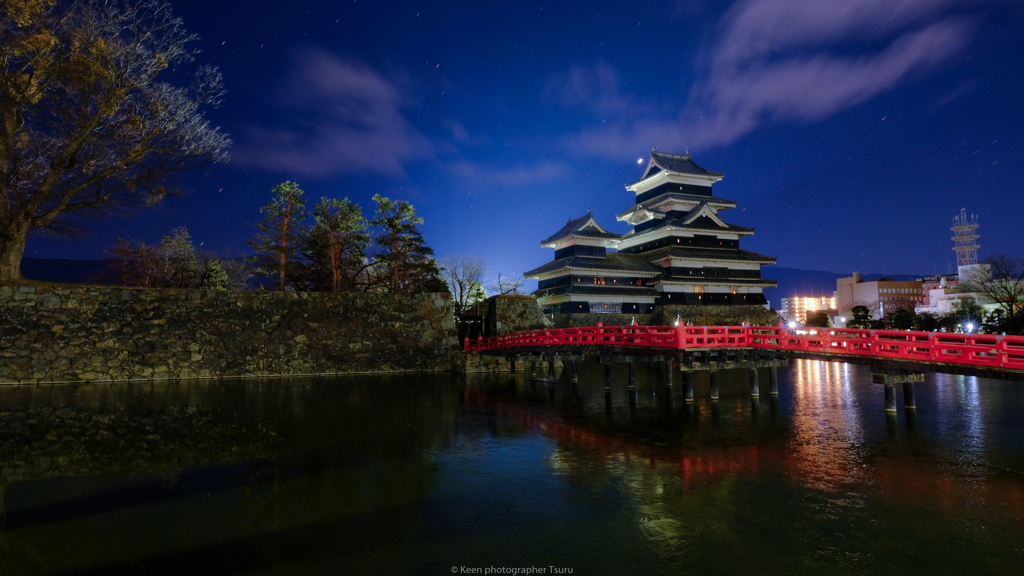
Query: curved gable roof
(675, 163)
(585, 226)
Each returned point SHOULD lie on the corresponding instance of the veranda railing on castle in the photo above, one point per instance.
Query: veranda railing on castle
(969, 349)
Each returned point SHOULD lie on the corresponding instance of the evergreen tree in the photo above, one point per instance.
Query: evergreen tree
(405, 258)
(817, 319)
(861, 317)
(901, 319)
(280, 232)
(337, 244)
(214, 276)
(926, 322)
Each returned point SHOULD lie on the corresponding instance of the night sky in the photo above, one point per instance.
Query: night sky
(849, 132)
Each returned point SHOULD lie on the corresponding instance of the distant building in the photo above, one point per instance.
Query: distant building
(943, 294)
(679, 251)
(797, 308)
(881, 296)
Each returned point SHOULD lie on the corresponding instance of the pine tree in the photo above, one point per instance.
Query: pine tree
(337, 243)
(280, 232)
(407, 261)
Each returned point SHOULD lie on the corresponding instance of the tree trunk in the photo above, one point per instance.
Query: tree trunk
(11, 251)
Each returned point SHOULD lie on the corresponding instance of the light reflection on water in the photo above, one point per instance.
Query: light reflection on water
(418, 473)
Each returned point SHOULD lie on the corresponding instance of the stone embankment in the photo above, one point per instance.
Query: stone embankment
(73, 333)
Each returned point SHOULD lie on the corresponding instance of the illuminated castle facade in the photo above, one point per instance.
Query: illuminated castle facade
(679, 251)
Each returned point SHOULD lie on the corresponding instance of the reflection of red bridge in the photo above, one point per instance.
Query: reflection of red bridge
(975, 350)
(897, 480)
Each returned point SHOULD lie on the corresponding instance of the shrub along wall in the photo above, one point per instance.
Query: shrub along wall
(72, 333)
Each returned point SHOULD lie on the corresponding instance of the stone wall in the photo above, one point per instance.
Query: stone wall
(509, 314)
(577, 320)
(714, 315)
(55, 333)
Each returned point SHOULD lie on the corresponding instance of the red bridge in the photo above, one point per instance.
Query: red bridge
(1002, 353)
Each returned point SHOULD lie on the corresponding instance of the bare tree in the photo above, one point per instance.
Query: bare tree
(464, 274)
(513, 284)
(1001, 283)
(85, 128)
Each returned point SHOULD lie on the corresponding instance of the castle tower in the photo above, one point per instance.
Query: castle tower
(677, 227)
(680, 251)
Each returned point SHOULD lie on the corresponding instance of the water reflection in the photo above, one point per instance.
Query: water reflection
(421, 472)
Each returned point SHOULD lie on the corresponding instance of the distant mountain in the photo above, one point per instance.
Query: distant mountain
(796, 282)
(68, 271)
(792, 281)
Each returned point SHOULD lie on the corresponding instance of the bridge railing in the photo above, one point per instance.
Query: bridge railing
(971, 349)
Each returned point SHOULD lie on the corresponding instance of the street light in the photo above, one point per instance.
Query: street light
(970, 326)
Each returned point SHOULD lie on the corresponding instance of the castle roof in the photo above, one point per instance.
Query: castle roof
(701, 216)
(675, 164)
(612, 262)
(583, 227)
(699, 253)
(669, 197)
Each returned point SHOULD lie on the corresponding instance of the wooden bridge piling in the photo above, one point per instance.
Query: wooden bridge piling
(688, 377)
(755, 392)
(773, 381)
(714, 384)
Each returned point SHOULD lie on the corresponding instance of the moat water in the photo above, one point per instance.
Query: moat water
(445, 473)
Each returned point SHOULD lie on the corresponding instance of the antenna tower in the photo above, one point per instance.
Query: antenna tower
(963, 229)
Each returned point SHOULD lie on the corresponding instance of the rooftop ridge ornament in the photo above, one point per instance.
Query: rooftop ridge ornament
(966, 248)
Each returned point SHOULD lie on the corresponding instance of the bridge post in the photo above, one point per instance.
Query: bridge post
(909, 402)
(891, 380)
(513, 361)
(773, 381)
(551, 367)
(608, 374)
(890, 398)
(755, 391)
(688, 377)
(668, 372)
(533, 367)
(575, 376)
(714, 384)
(632, 374)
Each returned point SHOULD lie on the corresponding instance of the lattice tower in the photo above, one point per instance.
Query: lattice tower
(963, 234)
